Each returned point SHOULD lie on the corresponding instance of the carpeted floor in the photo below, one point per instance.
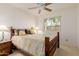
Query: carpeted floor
(67, 51)
(62, 51)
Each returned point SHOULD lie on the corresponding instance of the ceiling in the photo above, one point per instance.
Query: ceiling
(54, 6)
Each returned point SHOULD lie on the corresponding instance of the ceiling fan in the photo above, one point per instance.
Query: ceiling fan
(42, 5)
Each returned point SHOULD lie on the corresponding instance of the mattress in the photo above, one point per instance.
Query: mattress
(34, 44)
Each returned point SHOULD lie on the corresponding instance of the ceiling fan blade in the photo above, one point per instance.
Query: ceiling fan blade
(46, 4)
(33, 7)
(36, 6)
(48, 9)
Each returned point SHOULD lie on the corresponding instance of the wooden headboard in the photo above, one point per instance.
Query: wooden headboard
(27, 31)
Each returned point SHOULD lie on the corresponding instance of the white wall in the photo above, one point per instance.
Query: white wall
(68, 25)
(11, 16)
(78, 26)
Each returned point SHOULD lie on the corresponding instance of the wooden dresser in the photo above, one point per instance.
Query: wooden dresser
(5, 48)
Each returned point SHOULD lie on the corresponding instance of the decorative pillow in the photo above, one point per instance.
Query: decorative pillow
(27, 31)
(21, 32)
(15, 32)
(33, 31)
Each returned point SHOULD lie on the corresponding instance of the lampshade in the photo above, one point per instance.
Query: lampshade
(3, 28)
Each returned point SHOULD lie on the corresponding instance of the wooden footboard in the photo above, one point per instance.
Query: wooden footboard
(50, 46)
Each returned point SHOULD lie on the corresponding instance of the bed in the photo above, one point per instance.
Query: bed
(35, 45)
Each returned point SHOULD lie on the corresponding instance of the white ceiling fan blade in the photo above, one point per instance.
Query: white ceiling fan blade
(36, 7)
(33, 7)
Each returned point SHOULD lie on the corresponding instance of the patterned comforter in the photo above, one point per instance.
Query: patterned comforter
(34, 44)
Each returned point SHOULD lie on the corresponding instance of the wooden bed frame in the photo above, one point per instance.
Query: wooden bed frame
(50, 46)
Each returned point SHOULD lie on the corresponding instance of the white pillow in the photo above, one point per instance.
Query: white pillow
(21, 32)
(15, 32)
(7, 35)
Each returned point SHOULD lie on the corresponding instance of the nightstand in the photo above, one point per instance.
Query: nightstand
(5, 48)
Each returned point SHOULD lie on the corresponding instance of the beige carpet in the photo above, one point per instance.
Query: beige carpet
(62, 51)
(67, 51)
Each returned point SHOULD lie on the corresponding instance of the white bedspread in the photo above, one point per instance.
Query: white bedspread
(34, 44)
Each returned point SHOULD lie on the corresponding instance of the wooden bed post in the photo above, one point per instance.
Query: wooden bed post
(47, 46)
(11, 30)
(58, 39)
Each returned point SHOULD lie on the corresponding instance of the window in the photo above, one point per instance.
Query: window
(54, 21)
